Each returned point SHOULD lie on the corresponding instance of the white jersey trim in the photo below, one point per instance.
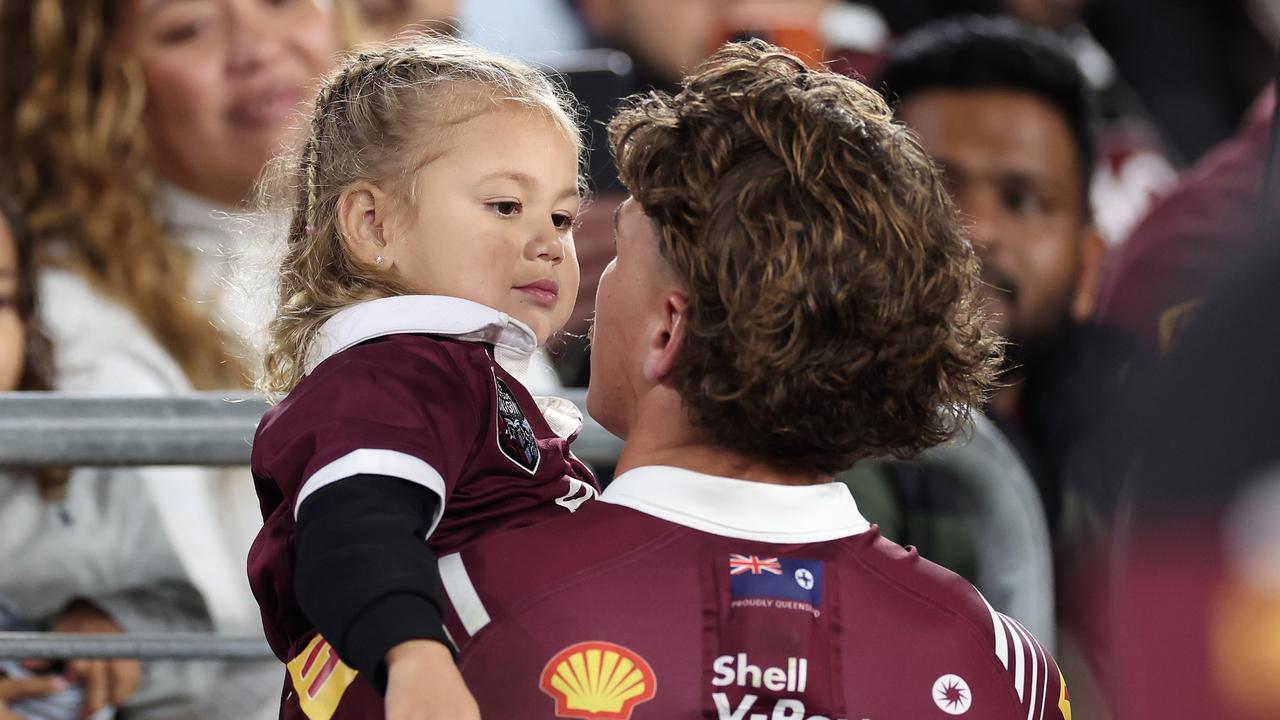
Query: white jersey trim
(513, 341)
(740, 509)
(1021, 670)
(371, 461)
(462, 594)
(1002, 642)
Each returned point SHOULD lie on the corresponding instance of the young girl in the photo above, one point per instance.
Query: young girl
(430, 253)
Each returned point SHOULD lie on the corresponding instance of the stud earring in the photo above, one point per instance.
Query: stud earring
(377, 260)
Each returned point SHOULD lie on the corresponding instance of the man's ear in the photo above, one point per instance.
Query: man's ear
(362, 213)
(668, 337)
(1093, 251)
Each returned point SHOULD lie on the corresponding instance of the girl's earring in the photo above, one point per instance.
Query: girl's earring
(377, 260)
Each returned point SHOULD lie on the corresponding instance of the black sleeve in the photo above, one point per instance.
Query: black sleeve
(364, 575)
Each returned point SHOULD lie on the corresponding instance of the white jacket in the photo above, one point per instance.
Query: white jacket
(103, 543)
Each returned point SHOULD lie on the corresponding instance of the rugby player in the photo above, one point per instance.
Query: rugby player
(792, 292)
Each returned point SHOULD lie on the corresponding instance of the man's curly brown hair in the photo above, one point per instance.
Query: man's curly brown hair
(833, 310)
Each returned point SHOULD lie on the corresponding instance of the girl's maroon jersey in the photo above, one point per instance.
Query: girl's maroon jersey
(411, 387)
(681, 595)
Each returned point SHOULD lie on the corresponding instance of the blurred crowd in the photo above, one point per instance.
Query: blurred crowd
(1109, 157)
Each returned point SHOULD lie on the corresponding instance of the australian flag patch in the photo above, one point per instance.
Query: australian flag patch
(773, 582)
(515, 435)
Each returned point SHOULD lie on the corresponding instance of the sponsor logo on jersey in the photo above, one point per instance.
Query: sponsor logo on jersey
(785, 583)
(737, 670)
(515, 435)
(319, 679)
(1064, 698)
(598, 681)
(730, 672)
(951, 694)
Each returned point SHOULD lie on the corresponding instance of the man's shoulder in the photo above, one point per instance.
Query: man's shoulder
(903, 573)
(936, 611)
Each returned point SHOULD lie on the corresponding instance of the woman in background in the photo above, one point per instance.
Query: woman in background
(80, 551)
(133, 128)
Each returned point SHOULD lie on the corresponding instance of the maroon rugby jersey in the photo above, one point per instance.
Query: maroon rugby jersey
(681, 595)
(435, 409)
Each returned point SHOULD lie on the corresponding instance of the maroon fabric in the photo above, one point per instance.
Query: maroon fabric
(1174, 252)
(432, 398)
(887, 627)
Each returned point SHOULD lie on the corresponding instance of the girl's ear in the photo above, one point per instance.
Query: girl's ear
(362, 213)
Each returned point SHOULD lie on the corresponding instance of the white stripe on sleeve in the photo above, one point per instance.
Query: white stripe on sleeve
(462, 594)
(372, 461)
(1017, 657)
(1035, 668)
(1002, 642)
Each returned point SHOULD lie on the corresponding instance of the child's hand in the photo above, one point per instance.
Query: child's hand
(423, 683)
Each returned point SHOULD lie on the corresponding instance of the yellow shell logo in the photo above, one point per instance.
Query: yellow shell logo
(598, 681)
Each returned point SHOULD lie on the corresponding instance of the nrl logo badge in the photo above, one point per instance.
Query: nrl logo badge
(515, 435)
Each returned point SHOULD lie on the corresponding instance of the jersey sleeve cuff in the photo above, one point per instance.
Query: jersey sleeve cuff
(388, 622)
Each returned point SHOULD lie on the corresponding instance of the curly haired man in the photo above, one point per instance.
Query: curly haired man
(792, 292)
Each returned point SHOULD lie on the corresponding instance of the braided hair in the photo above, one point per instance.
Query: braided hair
(379, 118)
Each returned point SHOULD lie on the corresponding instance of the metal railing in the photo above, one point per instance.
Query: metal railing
(52, 429)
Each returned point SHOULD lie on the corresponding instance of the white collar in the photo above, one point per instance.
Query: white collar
(513, 342)
(739, 508)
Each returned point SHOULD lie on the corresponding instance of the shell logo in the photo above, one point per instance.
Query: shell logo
(598, 681)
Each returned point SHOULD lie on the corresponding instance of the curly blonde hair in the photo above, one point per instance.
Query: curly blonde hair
(371, 121)
(72, 138)
(833, 308)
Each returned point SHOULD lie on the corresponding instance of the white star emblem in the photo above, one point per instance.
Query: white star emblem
(804, 579)
(951, 694)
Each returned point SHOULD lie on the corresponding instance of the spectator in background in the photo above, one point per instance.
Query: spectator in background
(1003, 108)
(1135, 156)
(128, 126)
(80, 551)
(132, 123)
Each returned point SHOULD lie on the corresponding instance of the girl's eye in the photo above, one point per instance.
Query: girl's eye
(562, 221)
(506, 208)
